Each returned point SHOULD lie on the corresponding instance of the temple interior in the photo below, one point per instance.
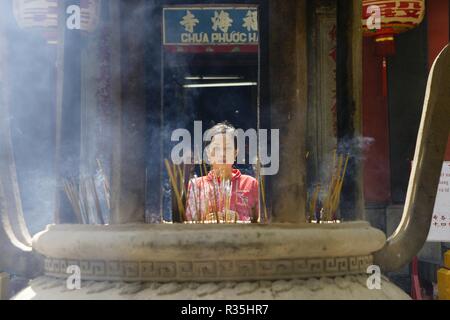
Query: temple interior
(345, 139)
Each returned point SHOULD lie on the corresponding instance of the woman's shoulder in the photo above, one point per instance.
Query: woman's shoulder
(248, 179)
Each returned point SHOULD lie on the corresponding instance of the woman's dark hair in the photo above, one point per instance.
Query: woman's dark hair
(223, 128)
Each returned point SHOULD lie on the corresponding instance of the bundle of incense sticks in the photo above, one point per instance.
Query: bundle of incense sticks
(216, 193)
(210, 202)
(212, 214)
(176, 176)
(200, 200)
(333, 195)
(73, 195)
(84, 200)
(226, 191)
(204, 196)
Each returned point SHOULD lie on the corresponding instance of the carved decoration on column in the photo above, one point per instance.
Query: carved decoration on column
(322, 121)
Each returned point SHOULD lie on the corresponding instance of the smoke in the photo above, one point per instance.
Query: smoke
(29, 73)
(90, 135)
(355, 149)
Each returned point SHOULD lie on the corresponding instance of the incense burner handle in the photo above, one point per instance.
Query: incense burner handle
(432, 139)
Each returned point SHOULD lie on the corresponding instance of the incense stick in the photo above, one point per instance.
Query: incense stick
(84, 201)
(98, 208)
(175, 188)
(313, 203)
(71, 195)
(341, 182)
(332, 196)
(106, 187)
(216, 209)
(263, 196)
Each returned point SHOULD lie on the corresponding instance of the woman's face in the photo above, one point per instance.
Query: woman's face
(221, 150)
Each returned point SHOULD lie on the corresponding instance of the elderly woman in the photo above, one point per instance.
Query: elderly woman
(224, 194)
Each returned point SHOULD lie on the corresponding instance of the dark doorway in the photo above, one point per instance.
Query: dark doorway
(210, 88)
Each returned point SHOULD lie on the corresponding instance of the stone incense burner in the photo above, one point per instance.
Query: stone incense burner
(265, 261)
(274, 261)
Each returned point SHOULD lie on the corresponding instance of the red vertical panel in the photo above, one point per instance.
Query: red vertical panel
(447, 155)
(438, 28)
(438, 34)
(376, 126)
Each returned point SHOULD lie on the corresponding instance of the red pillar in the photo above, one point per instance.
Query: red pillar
(377, 185)
(438, 34)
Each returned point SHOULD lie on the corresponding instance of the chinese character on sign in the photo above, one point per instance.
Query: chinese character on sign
(410, 9)
(251, 21)
(221, 21)
(440, 226)
(189, 22)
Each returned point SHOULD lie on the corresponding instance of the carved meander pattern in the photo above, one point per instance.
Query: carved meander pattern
(210, 270)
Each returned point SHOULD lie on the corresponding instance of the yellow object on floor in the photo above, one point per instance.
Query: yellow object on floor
(4, 285)
(443, 279)
(447, 260)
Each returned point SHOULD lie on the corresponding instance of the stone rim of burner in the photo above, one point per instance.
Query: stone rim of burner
(140, 252)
